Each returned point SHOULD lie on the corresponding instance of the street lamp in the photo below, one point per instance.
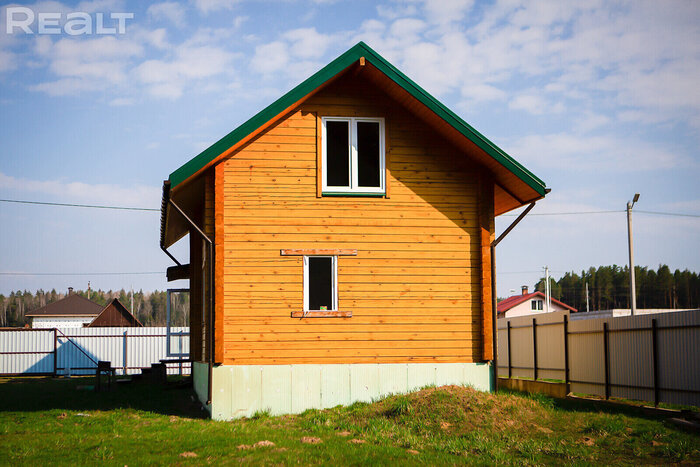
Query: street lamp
(633, 290)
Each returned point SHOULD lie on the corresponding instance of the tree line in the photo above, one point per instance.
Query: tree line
(148, 307)
(609, 286)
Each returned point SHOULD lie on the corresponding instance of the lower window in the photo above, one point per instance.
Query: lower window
(320, 283)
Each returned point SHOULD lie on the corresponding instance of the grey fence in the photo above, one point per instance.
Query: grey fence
(653, 357)
(77, 350)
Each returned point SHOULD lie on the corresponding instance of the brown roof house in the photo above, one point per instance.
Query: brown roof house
(115, 315)
(73, 311)
(341, 245)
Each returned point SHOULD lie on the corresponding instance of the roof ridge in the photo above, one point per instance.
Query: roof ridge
(335, 67)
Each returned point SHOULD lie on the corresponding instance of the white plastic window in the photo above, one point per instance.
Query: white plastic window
(353, 155)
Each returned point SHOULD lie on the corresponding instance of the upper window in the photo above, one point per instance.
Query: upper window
(537, 305)
(353, 155)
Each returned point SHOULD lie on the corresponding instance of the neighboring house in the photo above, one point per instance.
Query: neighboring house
(350, 224)
(72, 311)
(529, 304)
(115, 315)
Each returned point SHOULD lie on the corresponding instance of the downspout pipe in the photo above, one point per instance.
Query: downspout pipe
(164, 219)
(494, 298)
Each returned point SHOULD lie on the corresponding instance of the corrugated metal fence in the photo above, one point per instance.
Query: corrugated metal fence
(77, 350)
(652, 357)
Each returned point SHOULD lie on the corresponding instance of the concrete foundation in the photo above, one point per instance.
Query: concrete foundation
(243, 390)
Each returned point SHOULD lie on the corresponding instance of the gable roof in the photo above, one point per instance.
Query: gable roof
(510, 302)
(71, 305)
(293, 98)
(115, 314)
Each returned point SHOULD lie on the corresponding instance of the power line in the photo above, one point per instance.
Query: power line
(567, 213)
(572, 213)
(659, 213)
(78, 273)
(94, 206)
(131, 208)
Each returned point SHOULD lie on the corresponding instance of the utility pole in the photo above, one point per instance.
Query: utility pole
(587, 307)
(633, 289)
(132, 299)
(547, 291)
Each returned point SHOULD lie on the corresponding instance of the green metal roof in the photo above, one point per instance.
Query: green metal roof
(329, 71)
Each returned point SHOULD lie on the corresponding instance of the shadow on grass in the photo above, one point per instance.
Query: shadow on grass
(28, 394)
(591, 405)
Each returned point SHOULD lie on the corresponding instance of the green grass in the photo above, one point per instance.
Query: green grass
(45, 421)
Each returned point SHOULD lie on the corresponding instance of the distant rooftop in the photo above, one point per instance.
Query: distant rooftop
(72, 305)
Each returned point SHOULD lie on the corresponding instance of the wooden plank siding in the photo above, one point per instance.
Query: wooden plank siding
(415, 288)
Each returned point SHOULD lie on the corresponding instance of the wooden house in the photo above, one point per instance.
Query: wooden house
(115, 315)
(340, 245)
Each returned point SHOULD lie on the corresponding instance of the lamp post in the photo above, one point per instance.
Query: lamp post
(633, 290)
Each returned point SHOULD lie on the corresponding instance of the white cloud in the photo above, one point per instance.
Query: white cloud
(156, 38)
(308, 43)
(8, 61)
(643, 56)
(396, 10)
(168, 78)
(208, 6)
(122, 102)
(66, 86)
(239, 20)
(270, 58)
(688, 207)
(85, 64)
(447, 11)
(482, 92)
(591, 121)
(571, 152)
(67, 191)
(170, 11)
(535, 104)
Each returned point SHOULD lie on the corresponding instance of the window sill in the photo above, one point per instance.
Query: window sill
(321, 314)
(353, 193)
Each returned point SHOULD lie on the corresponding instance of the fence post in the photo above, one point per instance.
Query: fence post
(55, 352)
(655, 361)
(566, 352)
(510, 366)
(179, 351)
(605, 357)
(126, 367)
(534, 346)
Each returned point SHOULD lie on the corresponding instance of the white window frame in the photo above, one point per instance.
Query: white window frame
(334, 285)
(353, 159)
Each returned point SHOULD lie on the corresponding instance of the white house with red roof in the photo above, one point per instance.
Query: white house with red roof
(529, 304)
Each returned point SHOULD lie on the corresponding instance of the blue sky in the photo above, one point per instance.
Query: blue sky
(599, 99)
